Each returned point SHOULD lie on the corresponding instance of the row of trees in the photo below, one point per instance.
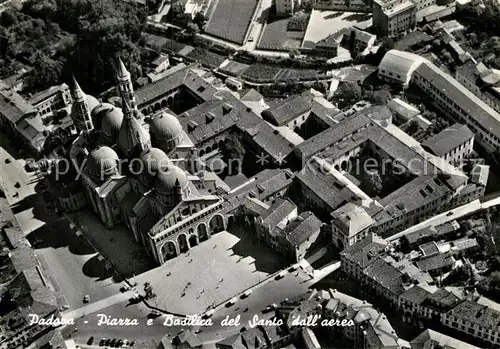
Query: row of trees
(351, 92)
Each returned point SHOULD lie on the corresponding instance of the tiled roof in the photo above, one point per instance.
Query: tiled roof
(442, 299)
(332, 135)
(448, 139)
(14, 107)
(386, 275)
(264, 184)
(482, 315)
(416, 295)
(287, 110)
(436, 262)
(278, 211)
(432, 339)
(252, 96)
(365, 252)
(465, 243)
(325, 186)
(353, 218)
(184, 77)
(402, 108)
(484, 115)
(429, 248)
(301, 229)
(41, 96)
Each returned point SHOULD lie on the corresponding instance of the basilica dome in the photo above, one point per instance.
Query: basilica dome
(166, 180)
(154, 160)
(166, 126)
(92, 102)
(102, 161)
(111, 122)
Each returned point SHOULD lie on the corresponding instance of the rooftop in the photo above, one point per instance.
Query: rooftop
(184, 77)
(301, 228)
(14, 107)
(486, 118)
(449, 139)
(479, 314)
(431, 339)
(43, 95)
(434, 262)
(279, 210)
(386, 275)
(364, 252)
(416, 295)
(287, 110)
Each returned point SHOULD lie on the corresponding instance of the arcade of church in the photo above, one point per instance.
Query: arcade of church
(180, 239)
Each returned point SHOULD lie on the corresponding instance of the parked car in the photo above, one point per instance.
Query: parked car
(246, 293)
(101, 342)
(90, 341)
(270, 307)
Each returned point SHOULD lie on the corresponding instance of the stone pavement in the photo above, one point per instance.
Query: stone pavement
(208, 274)
(96, 306)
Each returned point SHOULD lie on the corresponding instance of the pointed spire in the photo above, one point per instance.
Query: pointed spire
(121, 70)
(78, 94)
(127, 111)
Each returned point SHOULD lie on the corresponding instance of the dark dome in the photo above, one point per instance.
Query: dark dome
(102, 161)
(166, 126)
(111, 122)
(155, 159)
(166, 179)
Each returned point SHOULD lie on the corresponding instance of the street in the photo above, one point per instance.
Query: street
(70, 265)
(291, 285)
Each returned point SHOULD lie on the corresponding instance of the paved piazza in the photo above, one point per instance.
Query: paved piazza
(204, 267)
(324, 23)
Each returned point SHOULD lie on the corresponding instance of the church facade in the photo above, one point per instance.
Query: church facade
(144, 173)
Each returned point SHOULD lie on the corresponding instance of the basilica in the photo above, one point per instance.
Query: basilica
(144, 172)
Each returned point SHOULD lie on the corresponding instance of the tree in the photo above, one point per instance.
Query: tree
(199, 19)
(46, 72)
(233, 150)
(373, 181)
(350, 91)
(8, 18)
(193, 28)
(102, 30)
(381, 97)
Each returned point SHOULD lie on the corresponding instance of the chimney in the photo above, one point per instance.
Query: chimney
(226, 108)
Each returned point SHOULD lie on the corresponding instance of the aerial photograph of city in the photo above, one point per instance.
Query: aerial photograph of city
(288, 174)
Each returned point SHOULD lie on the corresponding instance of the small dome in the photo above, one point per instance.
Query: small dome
(154, 160)
(491, 77)
(102, 161)
(98, 113)
(361, 316)
(111, 122)
(166, 179)
(165, 126)
(130, 134)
